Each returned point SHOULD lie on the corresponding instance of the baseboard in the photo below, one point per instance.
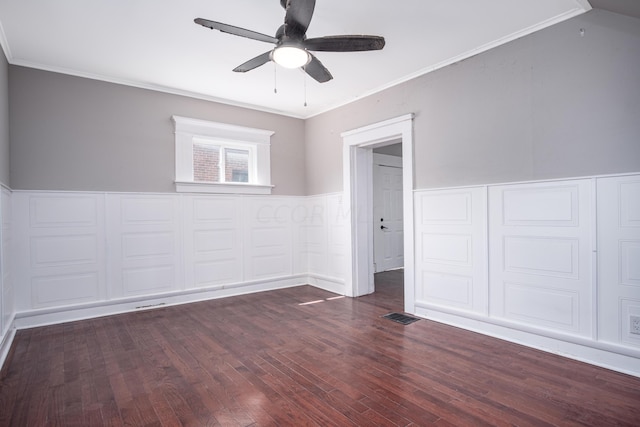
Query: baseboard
(50, 316)
(5, 346)
(327, 283)
(606, 355)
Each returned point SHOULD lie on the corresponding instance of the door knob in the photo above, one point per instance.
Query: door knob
(382, 227)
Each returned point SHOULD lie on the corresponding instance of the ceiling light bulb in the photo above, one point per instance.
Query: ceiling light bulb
(291, 56)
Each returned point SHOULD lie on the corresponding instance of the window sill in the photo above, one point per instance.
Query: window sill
(227, 188)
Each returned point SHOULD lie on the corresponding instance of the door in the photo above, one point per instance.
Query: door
(387, 210)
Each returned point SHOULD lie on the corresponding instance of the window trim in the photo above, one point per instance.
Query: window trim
(187, 130)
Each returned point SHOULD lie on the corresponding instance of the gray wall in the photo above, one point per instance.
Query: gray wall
(4, 120)
(72, 133)
(550, 105)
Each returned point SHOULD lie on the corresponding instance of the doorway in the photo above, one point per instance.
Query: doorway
(358, 149)
(388, 230)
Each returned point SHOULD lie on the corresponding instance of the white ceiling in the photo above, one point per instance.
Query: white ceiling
(155, 44)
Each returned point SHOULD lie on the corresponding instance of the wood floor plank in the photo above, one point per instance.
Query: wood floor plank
(270, 359)
(297, 396)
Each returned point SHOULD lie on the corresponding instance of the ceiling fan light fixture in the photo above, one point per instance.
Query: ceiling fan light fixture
(291, 56)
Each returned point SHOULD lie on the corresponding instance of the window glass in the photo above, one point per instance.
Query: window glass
(206, 162)
(236, 165)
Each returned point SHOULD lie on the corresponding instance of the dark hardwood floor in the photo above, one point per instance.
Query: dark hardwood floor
(265, 359)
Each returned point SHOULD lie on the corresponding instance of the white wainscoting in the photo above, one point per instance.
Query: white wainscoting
(81, 255)
(144, 244)
(60, 249)
(541, 255)
(619, 259)
(451, 249)
(213, 241)
(337, 228)
(514, 261)
(7, 298)
(558, 263)
(268, 232)
(323, 241)
(314, 237)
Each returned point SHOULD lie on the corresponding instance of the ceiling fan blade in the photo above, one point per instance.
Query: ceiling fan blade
(298, 17)
(318, 71)
(345, 43)
(253, 63)
(230, 29)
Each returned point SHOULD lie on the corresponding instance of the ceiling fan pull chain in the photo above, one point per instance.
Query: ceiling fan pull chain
(275, 78)
(305, 85)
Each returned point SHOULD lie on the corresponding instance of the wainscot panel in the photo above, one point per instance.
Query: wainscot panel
(560, 264)
(451, 249)
(7, 294)
(82, 255)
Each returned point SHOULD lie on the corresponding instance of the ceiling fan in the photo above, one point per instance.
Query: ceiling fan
(292, 45)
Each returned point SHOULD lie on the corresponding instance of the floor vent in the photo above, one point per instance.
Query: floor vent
(149, 306)
(401, 318)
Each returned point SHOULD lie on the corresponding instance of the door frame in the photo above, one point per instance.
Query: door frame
(358, 145)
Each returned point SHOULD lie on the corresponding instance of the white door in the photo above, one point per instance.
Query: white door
(387, 210)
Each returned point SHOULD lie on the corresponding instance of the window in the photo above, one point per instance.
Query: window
(219, 158)
(219, 162)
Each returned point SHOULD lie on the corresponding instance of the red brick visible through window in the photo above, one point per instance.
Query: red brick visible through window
(206, 161)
